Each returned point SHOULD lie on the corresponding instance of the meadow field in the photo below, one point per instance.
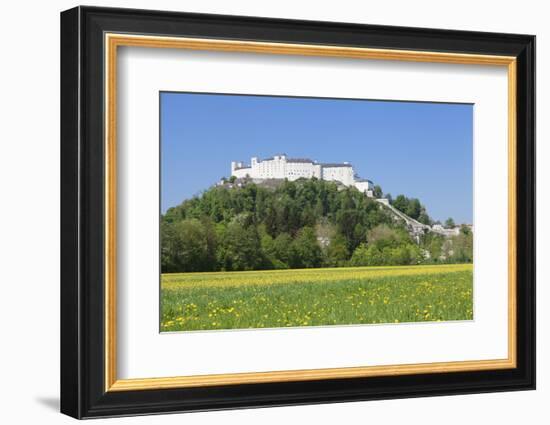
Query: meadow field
(315, 297)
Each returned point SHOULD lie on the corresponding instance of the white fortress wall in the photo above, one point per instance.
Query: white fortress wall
(271, 168)
(340, 172)
(296, 169)
(241, 173)
(239, 170)
(363, 186)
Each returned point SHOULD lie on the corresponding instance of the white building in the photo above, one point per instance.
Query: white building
(282, 167)
(438, 228)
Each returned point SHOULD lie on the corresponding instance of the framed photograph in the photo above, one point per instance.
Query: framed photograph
(261, 212)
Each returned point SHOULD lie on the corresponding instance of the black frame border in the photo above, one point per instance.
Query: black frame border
(82, 206)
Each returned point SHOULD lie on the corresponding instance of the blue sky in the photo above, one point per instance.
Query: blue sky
(421, 150)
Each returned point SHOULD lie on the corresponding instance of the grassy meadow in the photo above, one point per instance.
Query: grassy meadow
(315, 297)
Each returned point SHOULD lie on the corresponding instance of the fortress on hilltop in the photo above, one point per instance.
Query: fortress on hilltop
(283, 167)
(280, 167)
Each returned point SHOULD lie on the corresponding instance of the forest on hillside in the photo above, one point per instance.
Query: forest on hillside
(299, 224)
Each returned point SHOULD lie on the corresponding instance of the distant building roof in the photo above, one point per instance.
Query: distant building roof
(333, 165)
(271, 158)
(300, 160)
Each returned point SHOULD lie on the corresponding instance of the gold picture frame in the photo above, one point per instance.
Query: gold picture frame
(114, 41)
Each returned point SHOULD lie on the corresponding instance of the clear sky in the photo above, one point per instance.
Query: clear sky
(422, 150)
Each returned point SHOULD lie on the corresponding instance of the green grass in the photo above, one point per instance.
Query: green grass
(315, 297)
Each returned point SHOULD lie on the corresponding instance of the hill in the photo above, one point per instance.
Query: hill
(301, 224)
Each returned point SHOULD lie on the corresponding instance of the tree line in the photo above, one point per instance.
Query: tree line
(300, 224)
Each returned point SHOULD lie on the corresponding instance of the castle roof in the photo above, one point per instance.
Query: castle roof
(300, 160)
(334, 165)
(271, 158)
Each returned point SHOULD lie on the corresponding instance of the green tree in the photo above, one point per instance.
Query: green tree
(360, 256)
(414, 208)
(188, 246)
(449, 223)
(435, 248)
(308, 251)
(284, 250)
(167, 247)
(462, 247)
(424, 218)
(346, 220)
(337, 252)
(466, 230)
(377, 191)
(270, 221)
(307, 216)
(365, 255)
(270, 252)
(401, 203)
(400, 255)
(383, 235)
(241, 248)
